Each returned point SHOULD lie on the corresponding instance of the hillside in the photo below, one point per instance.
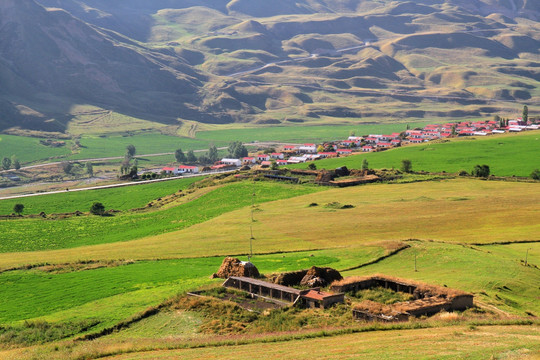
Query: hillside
(311, 61)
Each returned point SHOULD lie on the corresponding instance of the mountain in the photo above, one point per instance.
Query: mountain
(264, 62)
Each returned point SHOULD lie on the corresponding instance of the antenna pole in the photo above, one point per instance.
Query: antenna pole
(251, 228)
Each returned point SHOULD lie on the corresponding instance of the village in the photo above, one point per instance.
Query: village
(301, 153)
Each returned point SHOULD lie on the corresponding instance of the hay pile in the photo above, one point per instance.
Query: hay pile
(234, 267)
(313, 277)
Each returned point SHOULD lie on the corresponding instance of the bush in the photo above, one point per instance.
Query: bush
(535, 174)
(97, 208)
(463, 173)
(480, 171)
(18, 208)
(406, 165)
(312, 166)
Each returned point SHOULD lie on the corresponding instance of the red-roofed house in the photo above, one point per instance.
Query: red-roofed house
(384, 145)
(289, 148)
(372, 140)
(263, 157)
(266, 163)
(186, 169)
(282, 162)
(367, 148)
(277, 156)
(327, 154)
(314, 298)
(249, 160)
(169, 170)
(396, 142)
(416, 141)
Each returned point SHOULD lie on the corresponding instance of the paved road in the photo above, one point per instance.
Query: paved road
(115, 185)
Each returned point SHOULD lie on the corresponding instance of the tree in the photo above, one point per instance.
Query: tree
(237, 150)
(352, 133)
(312, 166)
(274, 165)
(454, 132)
(191, 158)
(6, 163)
(365, 164)
(320, 148)
(97, 208)
(213, 153)
(535, 175)
(130, 151)
(525, 114)
(67, 167)
(90, 168)
(203, 159)
(18, 209)
(179, 156)
(406, 165)
(15, 162)
(480, 171)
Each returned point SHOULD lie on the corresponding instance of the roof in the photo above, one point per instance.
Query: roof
(277, 153)
(248, 158)
(187, 167)
(309, 144)
(318, 295)
(344, 150)
(168, 169)
(266, 284)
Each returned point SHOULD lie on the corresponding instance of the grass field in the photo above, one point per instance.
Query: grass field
(29, 149)
(506, 155)
(42, 234)
(123, 198)
(381, 212)
(298, 134)
(458, 342)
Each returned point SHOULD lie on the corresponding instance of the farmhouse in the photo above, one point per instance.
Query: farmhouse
(170, 170)
(185, 169)
(308, 148)
(312, 298)
(263, 157)
(277, 156)
(344, 151)
(234, 162)
(249, 160)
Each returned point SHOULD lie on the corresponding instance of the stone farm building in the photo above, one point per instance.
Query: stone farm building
(284, 295)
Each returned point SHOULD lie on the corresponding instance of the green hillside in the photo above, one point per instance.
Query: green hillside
(505, 155)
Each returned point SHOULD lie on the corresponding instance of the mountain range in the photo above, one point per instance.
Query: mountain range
(265, 62)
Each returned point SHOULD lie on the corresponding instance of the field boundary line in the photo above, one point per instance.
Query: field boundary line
(379, 259)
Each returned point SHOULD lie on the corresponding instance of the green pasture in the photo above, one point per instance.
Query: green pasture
(506, 155)
(28, 149)
(495, 274)
(121, 198)
(147, 143)
(29, 294)
(42, 234)
(298, 134)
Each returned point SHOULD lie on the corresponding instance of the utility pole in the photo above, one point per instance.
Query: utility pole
(527, 255)
(415, 270)
(251, 228)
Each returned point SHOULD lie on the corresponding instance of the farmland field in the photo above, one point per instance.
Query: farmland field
(298, 134)
(123, 198)
(506, 155)
(43, 234)
(91, 273)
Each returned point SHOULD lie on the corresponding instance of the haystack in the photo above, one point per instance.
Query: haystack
(234, 267)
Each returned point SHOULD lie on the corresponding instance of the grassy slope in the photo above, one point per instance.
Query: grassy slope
(512, 154)
(42, 234)
(123, 198)
(494, 274)
(457, 342)
(382, 212)
(29, 294)
(29, 149)
(301, 133)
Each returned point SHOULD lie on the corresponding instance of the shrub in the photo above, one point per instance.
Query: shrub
(480, 171)
(535, 174)
(18, 209)
(97, 208)
(406, 165)
(463, 173)
(312, 166)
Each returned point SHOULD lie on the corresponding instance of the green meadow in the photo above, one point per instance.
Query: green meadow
(28, 149)
(507, 155)
(44, 234)
(121, 198)
(298, 134)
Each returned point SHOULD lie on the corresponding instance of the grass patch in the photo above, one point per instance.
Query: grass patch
(41, 234)
(123, 198)
(506, 155)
